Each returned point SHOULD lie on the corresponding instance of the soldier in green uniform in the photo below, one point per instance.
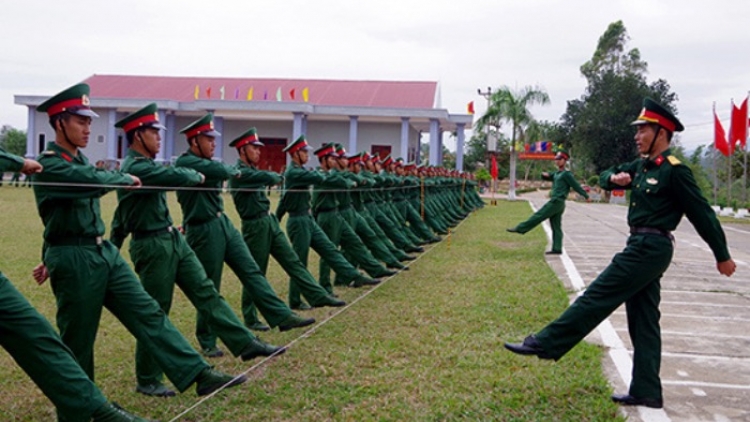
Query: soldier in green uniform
(214, 238)
(327, 198)
(662, 192)
(86, 271)
(351, 208)
(367, 200)
(402, 204)
(160, 254)
(261, 230)
(562, 182)
(38, 350)
(303, 231)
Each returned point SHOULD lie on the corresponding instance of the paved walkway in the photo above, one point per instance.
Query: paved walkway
(705, 316)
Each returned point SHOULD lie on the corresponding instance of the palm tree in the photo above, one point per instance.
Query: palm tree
(513, 107)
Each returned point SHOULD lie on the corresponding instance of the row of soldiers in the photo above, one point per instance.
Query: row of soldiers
(354, 204)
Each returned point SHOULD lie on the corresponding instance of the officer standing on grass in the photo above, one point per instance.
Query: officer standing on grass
(160, 254)
(261, 230)
(663, 190)
(86, 271)
(215, 240)
(38, 350)
(562, 182)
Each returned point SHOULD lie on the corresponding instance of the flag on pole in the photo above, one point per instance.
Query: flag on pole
(197, 92)
(291, 94)
(250, 94)
(278, 94)
(237, 94)
(470, 107)
(493, 167)
(208, 92)
(720, 137)
(306, 94)
(739, 124)
(222, 91)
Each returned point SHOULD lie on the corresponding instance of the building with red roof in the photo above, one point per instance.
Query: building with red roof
(375, 116)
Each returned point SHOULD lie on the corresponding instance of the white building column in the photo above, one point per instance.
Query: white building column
(111, 135)
(162, 151)
(219, 127)
(296, 126)
(460, 146)
(353, 120)
(405, 138)
(440, 147)
(169, 122)
(434, 142)
(32, 149)
(304, 124)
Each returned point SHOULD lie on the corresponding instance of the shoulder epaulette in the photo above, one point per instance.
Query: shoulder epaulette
(49, 152)
(674, 160)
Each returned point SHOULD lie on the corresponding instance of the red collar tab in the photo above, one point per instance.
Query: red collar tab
(658, 160)
(66, 157)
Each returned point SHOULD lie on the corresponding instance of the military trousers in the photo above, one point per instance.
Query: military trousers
(389, 227)
(85, 279)
(552, 211)
(165, 260)
(38, 350)
(633, 277)
(304, 233)
(416, 223)
(216, 242)
(399, 254)
(264, 238)
(374, 243)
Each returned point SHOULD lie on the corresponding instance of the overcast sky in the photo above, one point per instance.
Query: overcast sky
(700, 47)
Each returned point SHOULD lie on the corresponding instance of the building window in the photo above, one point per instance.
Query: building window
(42, 142)
(100, 139)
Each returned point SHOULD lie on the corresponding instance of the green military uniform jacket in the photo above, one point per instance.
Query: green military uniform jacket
(249, 191)
(199, 207)
(298, 180)
(144, 210)
(662, 191)
(562, 182)
(80, 216)
(10, 162)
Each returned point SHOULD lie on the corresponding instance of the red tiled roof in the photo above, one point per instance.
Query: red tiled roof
(391, 94)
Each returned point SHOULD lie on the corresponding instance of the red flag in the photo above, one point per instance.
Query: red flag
(208, 92)
(493, 167)
(291, 93)
(720, 137)
(739, 125)
(470, 107)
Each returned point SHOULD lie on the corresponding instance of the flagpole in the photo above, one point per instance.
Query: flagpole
(713, 161)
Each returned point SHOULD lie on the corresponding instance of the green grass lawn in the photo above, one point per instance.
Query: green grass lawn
(427, 345)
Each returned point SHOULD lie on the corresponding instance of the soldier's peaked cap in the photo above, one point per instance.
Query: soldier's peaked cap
(654, 112)
(74, 100)
(250, 137)
(202, 126)
(327, 149)
(298, 145)
(143, 118)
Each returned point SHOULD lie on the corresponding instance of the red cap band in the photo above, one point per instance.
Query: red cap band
(144, 120)
(63, 106)
(297, 147)
(198, 130)
(652, 117)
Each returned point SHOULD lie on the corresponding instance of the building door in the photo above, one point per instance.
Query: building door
(382, 150)
(272, 155)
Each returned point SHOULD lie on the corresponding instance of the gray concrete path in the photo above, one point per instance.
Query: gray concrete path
(705, 316)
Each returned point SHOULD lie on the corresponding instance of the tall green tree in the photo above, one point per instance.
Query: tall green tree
(13, 140)
(598, 123)
(510, 106)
